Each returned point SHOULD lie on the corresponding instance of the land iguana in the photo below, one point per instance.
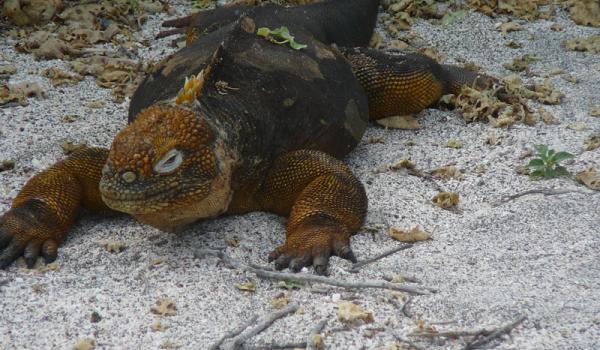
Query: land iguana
(234, 123)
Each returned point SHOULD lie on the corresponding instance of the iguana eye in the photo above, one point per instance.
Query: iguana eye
(171, 161)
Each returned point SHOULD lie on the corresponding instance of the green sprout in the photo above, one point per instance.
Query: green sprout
(280, 36)
(290, 284)
(547, 166)
(201, 4)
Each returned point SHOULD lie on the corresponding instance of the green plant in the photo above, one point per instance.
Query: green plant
(280, 36)
(201, 4)
(547, 164)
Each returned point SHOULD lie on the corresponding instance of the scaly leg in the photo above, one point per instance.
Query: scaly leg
(406, 83)
(47, 206)
(325, 203)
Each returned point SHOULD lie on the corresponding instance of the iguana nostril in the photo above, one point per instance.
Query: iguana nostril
(129, 176)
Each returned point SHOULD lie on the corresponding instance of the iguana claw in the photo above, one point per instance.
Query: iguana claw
(313, 244)
(22, 236)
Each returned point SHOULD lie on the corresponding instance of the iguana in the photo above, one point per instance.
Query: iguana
(235, 123)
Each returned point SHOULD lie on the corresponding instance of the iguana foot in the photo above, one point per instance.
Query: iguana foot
(47, 206)
(312, 242)
(28, 231)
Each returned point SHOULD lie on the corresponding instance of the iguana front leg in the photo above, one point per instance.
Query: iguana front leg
(47, 206)
(325, 203)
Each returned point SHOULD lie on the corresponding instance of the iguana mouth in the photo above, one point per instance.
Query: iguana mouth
(153, 198)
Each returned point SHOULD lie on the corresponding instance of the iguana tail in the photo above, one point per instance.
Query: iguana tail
(403, 84)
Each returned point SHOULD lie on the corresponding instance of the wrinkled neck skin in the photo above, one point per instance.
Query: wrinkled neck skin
(184, 203)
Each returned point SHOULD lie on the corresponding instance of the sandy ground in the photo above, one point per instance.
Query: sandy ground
(491, 261)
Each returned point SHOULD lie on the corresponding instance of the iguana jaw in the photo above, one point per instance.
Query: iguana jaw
(199, 187)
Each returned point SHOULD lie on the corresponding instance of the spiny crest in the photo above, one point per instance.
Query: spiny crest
(193, 85)
(192, 88)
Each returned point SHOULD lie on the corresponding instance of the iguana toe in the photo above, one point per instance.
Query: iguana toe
(313, 243)
(32, 252)
(10, 254)
(28, 230)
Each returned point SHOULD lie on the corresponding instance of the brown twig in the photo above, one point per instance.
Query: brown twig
(406, 341)
(300, 345)
(357, 266)
(487, 334)
(261, 326)
(544, 191)
(406, 306)
(233, 333)
(495, 334)
(303, 277)
(311, 343)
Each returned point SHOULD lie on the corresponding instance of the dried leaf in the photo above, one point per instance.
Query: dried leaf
(44, 46)
(158, 260)
(169, 344)
(413, 235)
(547, 117)
(589, 44)
(502, 104)
(28, 12)
(351, 313)
(577, 126)
(281, 301)
(59, 77)
(554, 71)
(584, 12)
(114, 246)
(446, 200)
(246, 287)
(556, 27)
(592, 142)
(405, 122)
(453, 143)
(493, 140)
(71, 118)
(546, 94)
(157, 326)
(513, 44)
(570, 78)
(589, 178)
(447, 172)
(480, 169)
(120, 74)
(48, 267)
(84, 344)
(594, 112)
(520, 64)
(7, 164)
(96, 104)
(403, 164)
(164, 307)
(20, 92)
(526, 9)
(232, 241)
(7, 69)
(508, 27)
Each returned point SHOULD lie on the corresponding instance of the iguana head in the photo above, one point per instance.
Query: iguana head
(168, 168)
